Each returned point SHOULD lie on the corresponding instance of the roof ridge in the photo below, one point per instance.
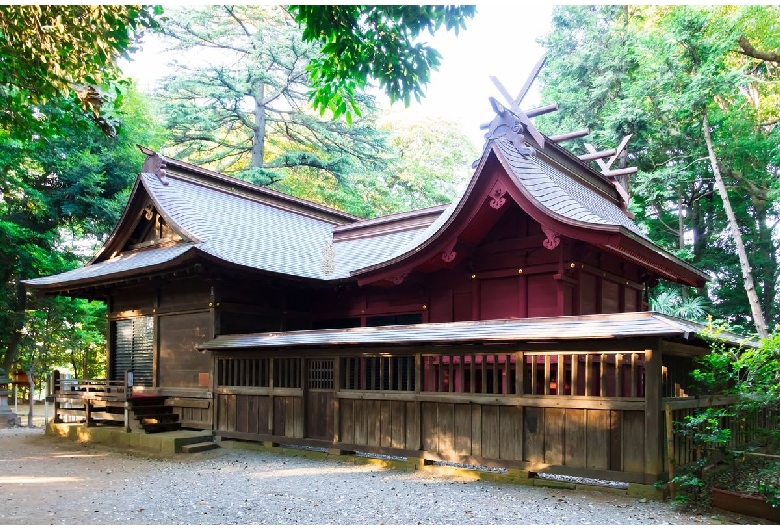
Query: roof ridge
(262, 190)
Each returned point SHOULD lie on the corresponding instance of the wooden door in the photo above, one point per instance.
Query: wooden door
(320, 393)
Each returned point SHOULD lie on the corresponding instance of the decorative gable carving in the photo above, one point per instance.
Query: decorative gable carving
(150, 230)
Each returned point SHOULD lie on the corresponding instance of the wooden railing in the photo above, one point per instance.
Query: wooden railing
(91, 388)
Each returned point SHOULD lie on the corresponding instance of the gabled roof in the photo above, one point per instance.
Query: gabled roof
(612, 326)
(233, 222)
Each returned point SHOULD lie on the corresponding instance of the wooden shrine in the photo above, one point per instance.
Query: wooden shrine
(508, 328)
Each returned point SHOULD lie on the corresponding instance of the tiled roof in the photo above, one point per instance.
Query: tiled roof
(236, 223)
(613, 326)
(130, 261)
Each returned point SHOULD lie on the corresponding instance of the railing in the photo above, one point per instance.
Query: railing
(106, 389)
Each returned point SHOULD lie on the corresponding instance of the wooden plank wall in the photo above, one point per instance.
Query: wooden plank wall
(580, 438)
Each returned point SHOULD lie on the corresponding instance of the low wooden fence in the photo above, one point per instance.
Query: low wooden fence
(576, 413)
(88, 399)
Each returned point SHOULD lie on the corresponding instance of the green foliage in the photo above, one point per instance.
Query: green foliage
(61, 194)
(671, 301)
(650, 71)
(237, 103)
(361, 43)
(48, 51)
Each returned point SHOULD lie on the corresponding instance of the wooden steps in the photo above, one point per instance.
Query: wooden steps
(199, 447)
(154, 415)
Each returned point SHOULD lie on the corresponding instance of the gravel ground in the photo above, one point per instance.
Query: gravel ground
(45, 480)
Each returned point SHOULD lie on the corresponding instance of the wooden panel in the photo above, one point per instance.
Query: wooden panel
(597, 439)
(553, 436)
(615, 440)
(462, 306)
(533, 434)
(587, 294)
(542, 296)
(490, 431)
(134, 299)
(347, 421)
(242, 413)
(361, 428)
(397, 420)
(429, 431)
(279, 418)
(632, 299)
(298, 415)
(633, 441)
(574, 437)
(476, 429)
(499, 298)
(251, 414)
(610, 296)
(441, 306)
(446, 416)
(319, 415)
(510, 434)
(263, 404)
(463, 429)
(180, 362)
(412, 426)
(222, 412)
(373, 419)
(385, 424)
(289, 417)
(189, 292)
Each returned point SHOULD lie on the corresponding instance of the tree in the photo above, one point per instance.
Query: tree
(361, 43)
(60, 191)
(652, 72)
(49, 51)
(237, 102)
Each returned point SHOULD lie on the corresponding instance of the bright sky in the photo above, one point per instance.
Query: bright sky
(499, 41)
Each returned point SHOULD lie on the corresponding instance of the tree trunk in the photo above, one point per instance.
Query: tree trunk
(747, 276)
(18, 323)
(258, 140)
(31, 400)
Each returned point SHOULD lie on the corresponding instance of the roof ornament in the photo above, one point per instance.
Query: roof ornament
(511, 121)
(155, 164)
(328, 259)
(619, 176)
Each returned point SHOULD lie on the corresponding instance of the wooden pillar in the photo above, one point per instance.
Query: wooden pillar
(418, 386)
(336, 388)
(653, 425)
(271, 395)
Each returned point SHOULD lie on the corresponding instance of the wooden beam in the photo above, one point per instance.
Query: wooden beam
(618, 172)
(595, 155)
(570, 135)
(528, 82)
(538, 111)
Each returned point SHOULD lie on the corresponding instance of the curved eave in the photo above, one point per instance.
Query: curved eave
(65, 287)
(522, 197)
(610, 237)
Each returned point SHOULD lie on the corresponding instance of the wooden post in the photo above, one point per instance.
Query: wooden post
(271, 372)
(336, 388)
(519, 373)
(128, 397)
(653, 461)
(670, 449)
(55, 386)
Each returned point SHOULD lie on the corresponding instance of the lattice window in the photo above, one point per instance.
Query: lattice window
(133, 349)
(379, 373)
(321, 374)
(287, 372)
(469, 374)
(253, 372)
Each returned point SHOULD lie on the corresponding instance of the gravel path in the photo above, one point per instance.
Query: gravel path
(44, 480)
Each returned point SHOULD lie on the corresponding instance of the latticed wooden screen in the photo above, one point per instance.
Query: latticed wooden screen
(287, 372)
(378, 373)
(321, 374)
(133, 349)
(243, 372)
